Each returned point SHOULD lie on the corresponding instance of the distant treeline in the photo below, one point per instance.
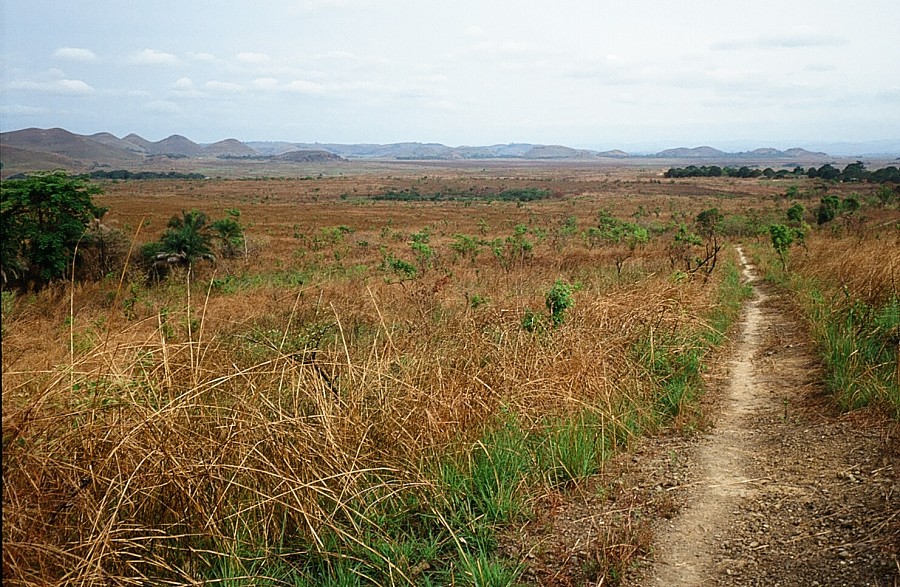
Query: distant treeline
(124, 174)
(852, 172)
(511, 195)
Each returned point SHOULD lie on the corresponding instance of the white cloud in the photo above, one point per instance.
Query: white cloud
(799, 39)
(74, 54)
(249, 57)
(475, 31)
(154, 57)
(66, 87)
(184, 84)
(184, 88)
(202, 57)
(305, 87)
(265, 83)
(228, 87)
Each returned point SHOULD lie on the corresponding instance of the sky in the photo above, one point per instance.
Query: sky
(638, 74)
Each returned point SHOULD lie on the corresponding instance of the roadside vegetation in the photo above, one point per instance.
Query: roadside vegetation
(274, 383)
(844, 277)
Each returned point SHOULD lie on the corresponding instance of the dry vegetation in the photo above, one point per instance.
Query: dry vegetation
(311, 414)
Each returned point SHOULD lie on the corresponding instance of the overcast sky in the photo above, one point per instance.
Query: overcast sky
(597, 74)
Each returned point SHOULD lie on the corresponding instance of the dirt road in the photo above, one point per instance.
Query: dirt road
(784, 490)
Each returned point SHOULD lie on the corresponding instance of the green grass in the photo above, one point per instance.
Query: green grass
(674, 360)
(859, 346)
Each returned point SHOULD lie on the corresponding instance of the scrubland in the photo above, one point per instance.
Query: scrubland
(373, 391)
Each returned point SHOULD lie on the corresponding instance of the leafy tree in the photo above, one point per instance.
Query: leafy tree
(466, 246)
(421, 249)
(885, 195)
(515, 249)
(795, 214)
(708, 223)
(850, 204)
(829, 172)
(855, 172)
(187, 239)
(828, 209)
(626, 236)
(782, 239)
(43, 218)
(558, 300)
(229, 232)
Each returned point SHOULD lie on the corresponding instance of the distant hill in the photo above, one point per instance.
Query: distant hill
(67, 144)
(36, 149)
(176, 145)
(17, 160)
(691, 153)
(138, 141)
(110, 140)
(763, 153)
(230, 148)
(555, 152)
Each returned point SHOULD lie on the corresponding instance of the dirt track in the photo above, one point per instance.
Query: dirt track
(784, 491)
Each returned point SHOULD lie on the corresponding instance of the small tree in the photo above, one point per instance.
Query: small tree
(795, 214)
(187, 239)
(626, 236)
(515, 249)
(782, 239)
(421, 248)
(885, 195)
(558, 300)
(828, 209)
(229, 232)
(43, 219)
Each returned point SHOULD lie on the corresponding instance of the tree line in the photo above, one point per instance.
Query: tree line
(853, 172)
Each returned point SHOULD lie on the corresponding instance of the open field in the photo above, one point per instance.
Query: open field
(379, 391)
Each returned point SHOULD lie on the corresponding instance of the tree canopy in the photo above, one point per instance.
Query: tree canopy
(43, 219)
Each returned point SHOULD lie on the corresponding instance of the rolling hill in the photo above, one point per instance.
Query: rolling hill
(36, 149)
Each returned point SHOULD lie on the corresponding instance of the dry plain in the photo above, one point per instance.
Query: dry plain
(311, 411)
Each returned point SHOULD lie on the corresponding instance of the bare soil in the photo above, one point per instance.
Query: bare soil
(783, 490)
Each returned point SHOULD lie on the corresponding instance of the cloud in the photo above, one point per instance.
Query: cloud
(74, 54)
(184, 84)
(184, 88)
(154, 57)
(797, 40)
(226, 87)
(474, 31)
(249, 57)
(202, 57)
(65, 87)
(819, 67)
(265, 83)
(305, 87)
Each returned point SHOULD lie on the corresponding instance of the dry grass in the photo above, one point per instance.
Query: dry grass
(268, 412)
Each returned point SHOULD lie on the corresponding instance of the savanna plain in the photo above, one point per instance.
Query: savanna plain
(393, 374)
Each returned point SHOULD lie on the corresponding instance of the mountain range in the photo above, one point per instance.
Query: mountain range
(56, 147)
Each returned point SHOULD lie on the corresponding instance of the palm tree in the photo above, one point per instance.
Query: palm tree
(186, 240)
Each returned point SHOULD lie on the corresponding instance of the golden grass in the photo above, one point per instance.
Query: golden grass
(148, 429)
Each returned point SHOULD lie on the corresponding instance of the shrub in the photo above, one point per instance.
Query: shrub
(43, 219)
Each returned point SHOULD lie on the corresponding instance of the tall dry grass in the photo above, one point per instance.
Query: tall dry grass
(848, 285)
(265, 422)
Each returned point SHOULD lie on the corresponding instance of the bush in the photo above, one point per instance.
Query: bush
(43, 220)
